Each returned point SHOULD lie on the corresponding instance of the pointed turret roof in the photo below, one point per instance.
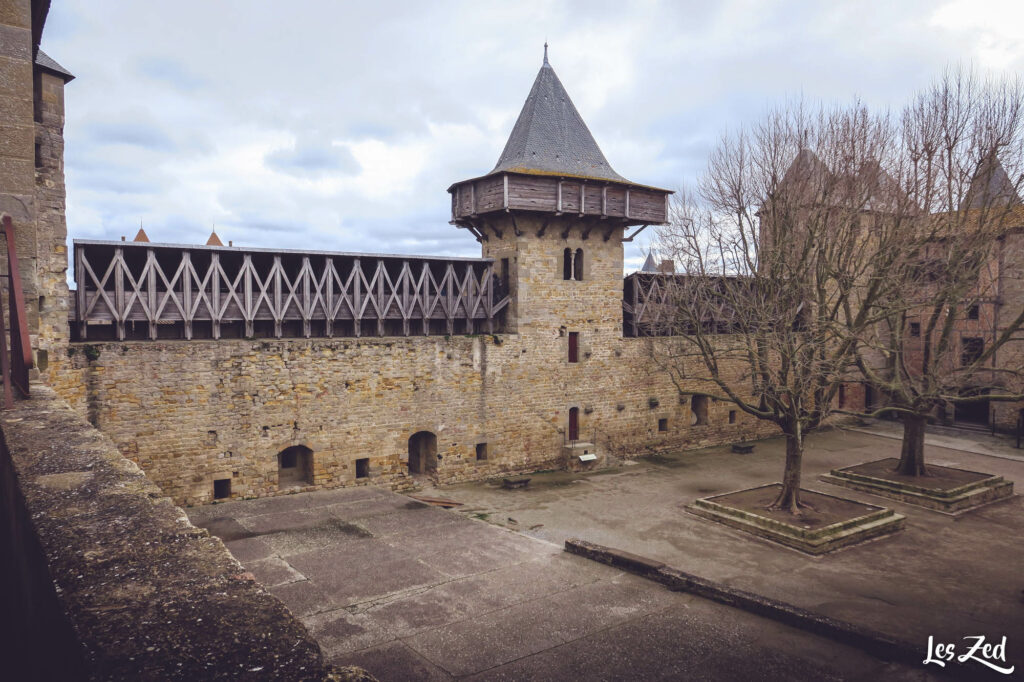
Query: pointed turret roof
(990, 186)
(550, 137)
(214, 240)
(649, 264)
(141, 236)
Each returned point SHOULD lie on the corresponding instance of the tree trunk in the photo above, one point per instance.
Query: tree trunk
(912, 454)
(789, 496)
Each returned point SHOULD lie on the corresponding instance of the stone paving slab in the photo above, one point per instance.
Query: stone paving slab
(424, 593)
(941, 576)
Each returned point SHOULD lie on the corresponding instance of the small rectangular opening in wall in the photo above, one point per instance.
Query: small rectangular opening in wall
(663, 424)
(481, 452)
(574, 346)
(973, 312)
(732, 416)
(221, 488)
(363, 467)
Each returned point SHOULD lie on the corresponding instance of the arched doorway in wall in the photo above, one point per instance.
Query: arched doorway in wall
(422, 453)
(574, 424)
(294, 467)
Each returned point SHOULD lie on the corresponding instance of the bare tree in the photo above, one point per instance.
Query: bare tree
(777, 246)
(942, 328)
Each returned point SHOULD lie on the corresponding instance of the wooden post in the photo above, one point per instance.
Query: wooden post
(329, 273)
(248, 313)
(119, 311)
(382, 303)
(186, 291)
(357, 297)
(149, 272)
(278, 313)
(216, 313)
(80, 293)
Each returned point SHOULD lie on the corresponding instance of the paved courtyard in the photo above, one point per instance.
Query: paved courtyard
(942, 576)
(414, 592)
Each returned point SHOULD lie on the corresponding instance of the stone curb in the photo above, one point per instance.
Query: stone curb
(871, 641)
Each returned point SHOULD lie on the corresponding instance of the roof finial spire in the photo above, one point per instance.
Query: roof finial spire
(546, 53)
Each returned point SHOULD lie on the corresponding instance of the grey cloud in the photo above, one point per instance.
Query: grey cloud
(313, 160)
(136, 134)
(171, 72)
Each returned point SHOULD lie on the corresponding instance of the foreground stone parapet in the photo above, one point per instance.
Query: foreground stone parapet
(946, 489)
(847, 522)
(106, 579)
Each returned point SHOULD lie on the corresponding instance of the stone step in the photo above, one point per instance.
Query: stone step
(968, 497)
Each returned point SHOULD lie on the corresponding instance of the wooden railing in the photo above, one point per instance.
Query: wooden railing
(131, 290)
(15, 366)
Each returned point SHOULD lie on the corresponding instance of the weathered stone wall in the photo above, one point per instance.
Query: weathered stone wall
(51, 231)
(32, 179)
(193, 412)
(104, 578)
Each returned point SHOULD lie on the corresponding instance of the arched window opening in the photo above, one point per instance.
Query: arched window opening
(567, 264)
(295, 467)
(574, 424)
(422, 453)
(577, 265)
(699, 410)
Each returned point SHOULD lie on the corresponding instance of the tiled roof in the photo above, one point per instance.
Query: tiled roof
(45, 61)
(550, 136)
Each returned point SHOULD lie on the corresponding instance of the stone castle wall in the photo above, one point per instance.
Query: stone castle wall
(191, 412)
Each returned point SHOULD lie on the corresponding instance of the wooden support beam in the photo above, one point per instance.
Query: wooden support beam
(119, 308)
(638, 231)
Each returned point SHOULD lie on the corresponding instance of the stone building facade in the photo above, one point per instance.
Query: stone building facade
(32, 172)
(209, 419)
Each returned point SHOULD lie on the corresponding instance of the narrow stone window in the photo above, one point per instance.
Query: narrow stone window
(732, 416)
(567, 264)
(699, 410)
(363, 467)
(973, 312)
(574, 346)
(915, 329)
(481, 452)
(577, 265)
(842, 396)
(663, 424)
(221, 488)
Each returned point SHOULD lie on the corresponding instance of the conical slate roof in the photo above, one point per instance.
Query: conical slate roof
(550, 137)
(991, 186)
(649, 264)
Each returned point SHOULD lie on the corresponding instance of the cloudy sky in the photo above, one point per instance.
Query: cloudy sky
(336, 125)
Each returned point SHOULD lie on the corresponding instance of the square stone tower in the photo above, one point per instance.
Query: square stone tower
(553, 215)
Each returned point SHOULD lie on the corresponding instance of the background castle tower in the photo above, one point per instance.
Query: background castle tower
(553, 213)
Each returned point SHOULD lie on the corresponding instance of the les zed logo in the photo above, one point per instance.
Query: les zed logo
(981, 651)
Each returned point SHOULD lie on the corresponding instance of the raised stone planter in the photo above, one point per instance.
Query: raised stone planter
(847, 522)
(948, 490)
